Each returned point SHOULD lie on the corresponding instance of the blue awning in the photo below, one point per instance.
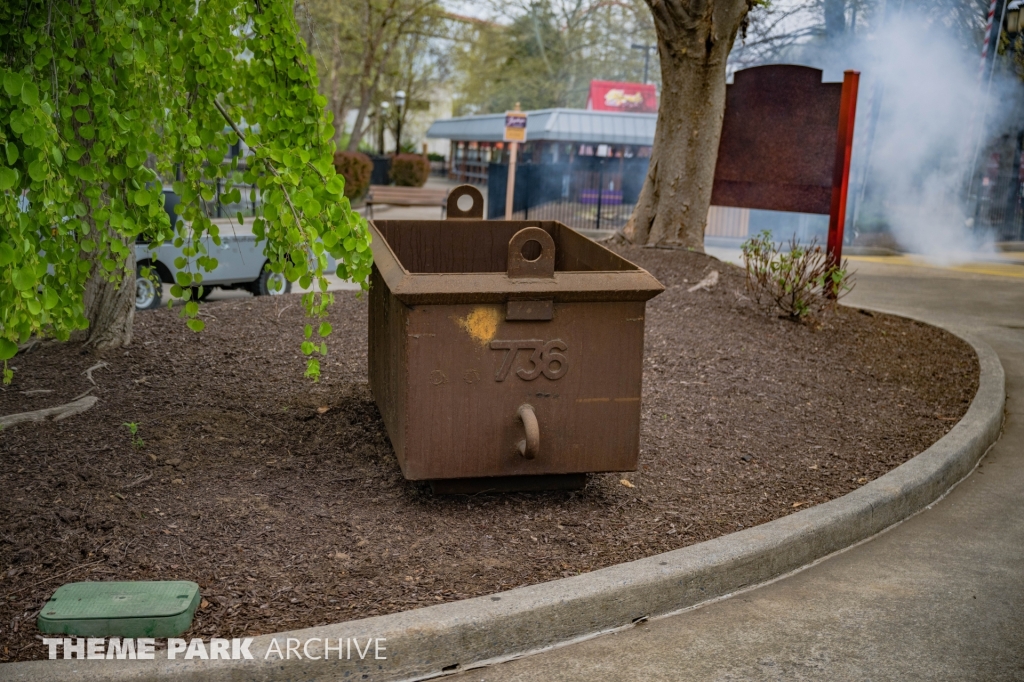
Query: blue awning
(554, 125)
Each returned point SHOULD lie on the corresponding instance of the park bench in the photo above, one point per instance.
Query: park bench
(406, 196)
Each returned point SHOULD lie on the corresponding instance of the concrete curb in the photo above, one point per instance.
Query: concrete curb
(428, 641)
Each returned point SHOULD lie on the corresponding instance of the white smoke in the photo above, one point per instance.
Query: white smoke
(923, 115)
(931, 113)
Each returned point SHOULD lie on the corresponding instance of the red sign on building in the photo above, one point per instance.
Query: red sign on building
(631, 97)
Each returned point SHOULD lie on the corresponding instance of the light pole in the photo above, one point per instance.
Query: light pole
(399, 103)
(382, 125)
(647, 56)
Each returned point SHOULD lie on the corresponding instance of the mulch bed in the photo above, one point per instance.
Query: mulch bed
(291, 516)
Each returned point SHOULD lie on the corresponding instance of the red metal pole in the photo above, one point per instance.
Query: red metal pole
(841, 172)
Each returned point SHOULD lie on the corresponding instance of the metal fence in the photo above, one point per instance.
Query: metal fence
(1000, 204)
(588, 193)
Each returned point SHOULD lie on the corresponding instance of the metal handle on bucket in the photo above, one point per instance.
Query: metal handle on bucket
(476, 209)
(519, 266)
(529, 447)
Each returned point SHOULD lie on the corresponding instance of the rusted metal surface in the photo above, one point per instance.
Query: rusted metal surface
(778, 145)
(539, 265)
(505, 348)
(475, 210)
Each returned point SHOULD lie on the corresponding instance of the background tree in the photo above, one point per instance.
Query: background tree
(419, 65)
(360, 44)
(545, 53)
(104, 101)
(824, 31)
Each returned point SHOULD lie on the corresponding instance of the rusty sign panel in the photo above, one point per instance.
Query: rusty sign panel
(778, 145)
(786, 145)
(505, 348)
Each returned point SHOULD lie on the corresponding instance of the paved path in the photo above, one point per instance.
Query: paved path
(940, 597)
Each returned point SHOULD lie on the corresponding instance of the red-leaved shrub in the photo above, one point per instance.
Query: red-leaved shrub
(356, 168)
(409, 170)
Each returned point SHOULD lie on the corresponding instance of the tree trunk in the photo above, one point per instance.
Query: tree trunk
(358, 127)
(835, 21)
(694, 41)
(110, 306)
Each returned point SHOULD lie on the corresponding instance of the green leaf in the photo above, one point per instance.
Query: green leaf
(50, 298)
(12, 153)
(8, 178)
(336, 185)
(307, 348)
(30, 93)
(8, 349)
(325, 329)
(196, 325)
(12, 83)
(37, 171)
(142, 198)
(23, 279)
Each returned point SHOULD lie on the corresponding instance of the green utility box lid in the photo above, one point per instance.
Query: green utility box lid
(125, 609)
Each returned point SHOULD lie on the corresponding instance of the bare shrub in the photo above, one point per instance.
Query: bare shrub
(796, 282)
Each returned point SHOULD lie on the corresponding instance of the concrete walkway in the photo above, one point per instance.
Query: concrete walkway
(939, 597)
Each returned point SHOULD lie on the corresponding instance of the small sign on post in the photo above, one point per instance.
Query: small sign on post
(515, 132)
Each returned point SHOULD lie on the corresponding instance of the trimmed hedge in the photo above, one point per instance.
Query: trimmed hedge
(410, 170)
(356, 168)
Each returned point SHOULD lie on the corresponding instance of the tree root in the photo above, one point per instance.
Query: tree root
(618, 238)
(707, 283)
(88, 372)
(137, 481)
(58, 413)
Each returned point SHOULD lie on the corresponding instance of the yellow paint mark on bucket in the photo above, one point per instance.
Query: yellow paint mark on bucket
(482, 324)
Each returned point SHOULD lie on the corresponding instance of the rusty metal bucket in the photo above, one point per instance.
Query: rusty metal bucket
(510, 351)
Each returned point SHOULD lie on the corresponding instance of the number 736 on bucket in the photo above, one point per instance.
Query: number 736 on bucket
(545, 359)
